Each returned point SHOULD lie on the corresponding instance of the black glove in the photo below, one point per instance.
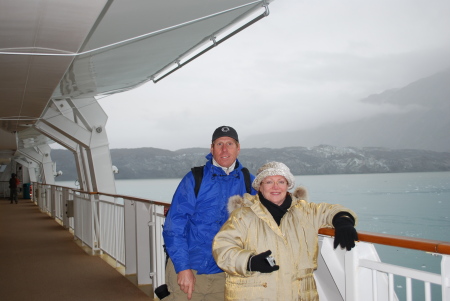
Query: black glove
(345, 232)
(259, 263)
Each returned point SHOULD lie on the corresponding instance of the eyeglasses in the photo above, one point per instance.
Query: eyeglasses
(271, 183)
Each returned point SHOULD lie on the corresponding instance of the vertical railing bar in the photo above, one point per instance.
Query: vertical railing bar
(97, 239)
(391, 287)
(91, 216)
(41, 197)
(61, 206)
(408, 289)
(72, 219)
(85, 226)
(151, 229)
(82, 200)
(79, 221)
(374, 285)
(121, 245)
(445, 276)
(49, 199)
(427, 291)
(133, 203)
(94, 239)
(45, 207)
(160, 256)
(116, 232)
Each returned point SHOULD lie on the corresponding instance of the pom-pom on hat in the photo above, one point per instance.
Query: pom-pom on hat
(273, 169)
(225, 131)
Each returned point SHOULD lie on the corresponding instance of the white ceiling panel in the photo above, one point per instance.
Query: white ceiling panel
(65, 48)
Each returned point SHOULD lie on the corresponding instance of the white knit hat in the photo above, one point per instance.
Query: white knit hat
(273, 169)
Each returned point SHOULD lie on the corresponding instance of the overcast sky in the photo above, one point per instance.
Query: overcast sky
(306, 64)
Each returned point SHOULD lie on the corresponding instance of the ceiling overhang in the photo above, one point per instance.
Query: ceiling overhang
(57, 49)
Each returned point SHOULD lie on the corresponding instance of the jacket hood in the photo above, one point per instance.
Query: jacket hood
(237, 201)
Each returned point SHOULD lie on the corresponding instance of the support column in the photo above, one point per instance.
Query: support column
(41, 156)
(29, 168)
(79, 125)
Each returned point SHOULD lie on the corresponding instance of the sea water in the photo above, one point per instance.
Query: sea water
(407, 204)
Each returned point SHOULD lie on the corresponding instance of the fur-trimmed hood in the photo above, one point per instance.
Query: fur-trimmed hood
(237, 201)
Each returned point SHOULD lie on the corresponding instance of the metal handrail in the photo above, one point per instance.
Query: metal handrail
(426, 245)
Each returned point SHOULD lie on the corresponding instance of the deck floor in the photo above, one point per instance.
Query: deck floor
(39, 260)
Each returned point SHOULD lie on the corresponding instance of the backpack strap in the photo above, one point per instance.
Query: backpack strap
(247, 179)
(197, 171)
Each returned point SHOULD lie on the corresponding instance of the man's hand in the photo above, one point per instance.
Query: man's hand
(186, 281)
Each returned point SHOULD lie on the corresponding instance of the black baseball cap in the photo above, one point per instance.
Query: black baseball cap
(225, 131)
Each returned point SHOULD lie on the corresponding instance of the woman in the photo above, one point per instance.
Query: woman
(277, 224)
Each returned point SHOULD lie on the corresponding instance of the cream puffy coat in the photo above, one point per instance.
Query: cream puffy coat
(251, 230)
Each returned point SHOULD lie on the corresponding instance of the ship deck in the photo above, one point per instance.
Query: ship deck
(40, 260)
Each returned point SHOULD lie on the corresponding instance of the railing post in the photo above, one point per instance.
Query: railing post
(48, 199)
(157, 254)
(151, 238)
(351, 275)
(40, 198)
(52, 201)
(116, 233)
(160, 255)
(143, 243)
(130, 236)
(445, 272)
(36, 194)
(64, 209)
(95, 230)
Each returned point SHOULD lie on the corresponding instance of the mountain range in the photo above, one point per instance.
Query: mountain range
(147, 163)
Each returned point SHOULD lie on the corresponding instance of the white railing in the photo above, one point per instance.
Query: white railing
(129, 230)
(366, 278)
(112, 224)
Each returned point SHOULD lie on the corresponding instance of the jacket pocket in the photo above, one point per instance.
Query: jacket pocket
(305, 287)
(250, 288)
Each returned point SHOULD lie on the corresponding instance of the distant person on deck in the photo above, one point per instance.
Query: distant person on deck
(13, 184)
(193, 221)
(268, 247)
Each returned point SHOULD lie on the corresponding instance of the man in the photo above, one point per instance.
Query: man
(13, 183)
(192, 222)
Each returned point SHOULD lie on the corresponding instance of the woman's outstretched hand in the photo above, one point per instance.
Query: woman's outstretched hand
(345, 232)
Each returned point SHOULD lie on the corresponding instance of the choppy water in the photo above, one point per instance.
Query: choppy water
(407, 204)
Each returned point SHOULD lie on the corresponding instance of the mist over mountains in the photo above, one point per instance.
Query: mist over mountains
(413, 137)
(419, 118)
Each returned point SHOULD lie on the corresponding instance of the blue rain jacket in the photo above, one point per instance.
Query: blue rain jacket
(192, 223)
